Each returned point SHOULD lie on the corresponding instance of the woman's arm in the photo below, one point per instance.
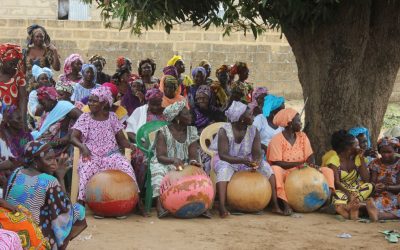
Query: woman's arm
(286, 165)
(161, 152)
(194, 152)
(76, 141)
(338, 184)
(56, 65)
(122, 141)
(256, 148)
(74, 114)
(223, 150)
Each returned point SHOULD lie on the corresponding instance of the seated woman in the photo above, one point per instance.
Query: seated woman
(120, 111)
(99, 136)
(199, 79)
(19, 220)
(99, 62)
(239, 149)
(364, 141)
(64, 92)
(152, 111)
(176, 145)
(42, 78)
(348, 165)
(264, 122)
(386, 177)
(87, 84)
(171, 95)
(72, 70)
(257, 102)
(289, 150)
(43, 194)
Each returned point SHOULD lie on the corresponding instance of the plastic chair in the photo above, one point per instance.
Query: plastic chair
(145, 137)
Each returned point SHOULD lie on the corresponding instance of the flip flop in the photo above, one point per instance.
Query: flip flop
(237, 213)
(391, 235)
(162, 214)
(207, 214)
(99, 217)
(121, 217)
(364, 220)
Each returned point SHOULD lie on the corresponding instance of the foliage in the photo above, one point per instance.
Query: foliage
(238, 15)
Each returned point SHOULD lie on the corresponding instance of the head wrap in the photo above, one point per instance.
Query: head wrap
(173, 60)
(271, 103)
(223, 68)
(35, 149)
(388, 141)
(32, 30)
(393, 132)
(204, 89)
(173, 110)
(124, 62)
(154, 94)
(239, 87)
(238, 67)
(37, 71)
(10, 52)
(235, 111)
(360, 130)
(283, 117)
(257, 92)
(68, 62)
(104, 94)
(87, 66)
(98, 58)
(60, 86)
(197, 70)
(204, 62)
(171, 80)
(112, 87)
(49, 93)
(170, 71)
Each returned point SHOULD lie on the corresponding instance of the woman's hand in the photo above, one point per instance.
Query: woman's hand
(196, 163)
(8, 206)
(85, 153)
(140, 95)
(251, 164)
(62, 167)
(52, 47)
(178, 163)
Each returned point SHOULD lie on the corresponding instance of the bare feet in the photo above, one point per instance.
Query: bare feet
(287, 210)
(354, 207)
(277, 210)
(372, 210)
(342, 210)
(223, 213)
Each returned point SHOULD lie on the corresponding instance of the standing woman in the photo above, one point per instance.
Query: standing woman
(241, 69)
(40, 51)
(146, 70)
(99, 62)
(72, 70)
(12, 78)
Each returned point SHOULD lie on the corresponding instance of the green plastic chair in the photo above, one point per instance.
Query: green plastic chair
(145, 145)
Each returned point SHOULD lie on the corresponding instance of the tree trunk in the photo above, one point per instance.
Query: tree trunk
(347, 68)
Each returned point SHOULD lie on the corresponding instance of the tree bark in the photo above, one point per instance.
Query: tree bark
(347, 68)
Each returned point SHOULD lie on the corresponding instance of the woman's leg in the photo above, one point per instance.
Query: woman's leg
(86, 170)
(372, 210)
(224, 172)
(221, 187)
(276, 208)
(280, 176)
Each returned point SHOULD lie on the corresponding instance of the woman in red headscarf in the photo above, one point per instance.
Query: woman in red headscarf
(12, 77)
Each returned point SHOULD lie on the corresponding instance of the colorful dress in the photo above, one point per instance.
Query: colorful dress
(350, 181)
(175, 149)
(9, 240)
(22, 223)
(99, 137)
(387, 202)
(121, 112)
(225, 170)
(51, 208)
(9, 89)
(279, 149)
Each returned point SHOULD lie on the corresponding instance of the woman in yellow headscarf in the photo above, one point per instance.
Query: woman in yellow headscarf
(183, 80)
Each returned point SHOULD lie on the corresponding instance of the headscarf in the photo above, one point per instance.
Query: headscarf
(112, 87)
(104, 94)
(393, 132)
(235, 111)
(204, 62)
(153, 94)
(239, 87)
(98, 58)
(10, 52)
(36, 149)
(223, 68)
(388, 141)
(49, 93)
(360, 130)
(170, 80)
(124, 62)
(173, 110)
(283, 117)
(204, 89)
(171, 71)
(68, 62)
(60, 86)
(37, 71)
(173, 60)
(257, 92)
(32, 30)
(87, 66)
(197, 70)
(238, 67)
(271, 103)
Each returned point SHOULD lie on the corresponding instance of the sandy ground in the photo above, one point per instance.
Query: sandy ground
(311, 231)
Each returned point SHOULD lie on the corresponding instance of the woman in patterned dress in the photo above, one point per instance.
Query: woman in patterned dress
(43, 194)
(386, 177)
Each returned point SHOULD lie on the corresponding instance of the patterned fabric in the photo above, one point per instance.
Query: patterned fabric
(235, 111)
(225, 170)
(9, 240)
(197, 70)
(37, 71)
(36, 149)
(386, 141)
(51, 208)
(112, 87)
(22, 223)
(90, 66)
(9, 89)
(173, 60)
(99, 137)
(388, 174)
(173, 110)
(65, 78)
(283, 117)
(81, 92)
(104, 94)
(271, 103)
(49, 93)
(360, 130)
(154, 94)
(175, 149)
(60, 86)
(98, 58)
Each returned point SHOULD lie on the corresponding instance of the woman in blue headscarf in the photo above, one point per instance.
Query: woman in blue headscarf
(199, 75)
(264, 121)
(364, 141)
(87, 84)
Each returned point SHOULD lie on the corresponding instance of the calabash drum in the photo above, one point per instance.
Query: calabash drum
(111, 193)
(306, 189)
(248, 191)
(187, 193)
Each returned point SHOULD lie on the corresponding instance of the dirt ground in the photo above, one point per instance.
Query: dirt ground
(310, 231)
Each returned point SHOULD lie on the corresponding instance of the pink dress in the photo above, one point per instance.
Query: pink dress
(99, 137)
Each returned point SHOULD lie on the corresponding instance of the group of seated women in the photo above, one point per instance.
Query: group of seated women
(102, 114)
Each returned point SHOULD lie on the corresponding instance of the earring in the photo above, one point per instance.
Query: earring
(178, 121)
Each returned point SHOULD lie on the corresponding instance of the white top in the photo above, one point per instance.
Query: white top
(266, 132)
(33, 102)
(81, 92)
(137, 119)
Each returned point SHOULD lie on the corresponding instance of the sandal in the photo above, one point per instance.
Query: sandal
(123, 217)
(207, 214)
(99, 217)
(162, 214)
(391, 235)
